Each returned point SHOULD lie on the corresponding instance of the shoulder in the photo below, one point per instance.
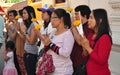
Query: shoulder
(105, 38)
(10, 54)
(68, 32)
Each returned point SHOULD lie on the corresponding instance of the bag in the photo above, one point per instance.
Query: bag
(45, 65)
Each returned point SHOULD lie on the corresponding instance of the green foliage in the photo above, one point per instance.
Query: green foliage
(12, 1)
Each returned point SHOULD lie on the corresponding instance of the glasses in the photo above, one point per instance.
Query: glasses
(53, 18)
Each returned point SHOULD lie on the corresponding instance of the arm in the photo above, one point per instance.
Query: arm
(75, 34)
(32, 37)
(6, 58)
(13, 36)
(66, 48)
(20, 34)
(68, 43)
(103, 50)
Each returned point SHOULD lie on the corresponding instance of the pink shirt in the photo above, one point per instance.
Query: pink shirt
(62, 62)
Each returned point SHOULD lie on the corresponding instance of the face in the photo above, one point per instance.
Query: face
(11, 16)
(55, 20)
(45, 16)
(91, 22)
(77, 15)
(25, 15)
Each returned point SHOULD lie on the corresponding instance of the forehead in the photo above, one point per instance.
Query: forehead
(77, 12)
(10, 14)
(53, 14)
(91, 14)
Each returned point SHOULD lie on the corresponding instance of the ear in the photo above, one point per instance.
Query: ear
(85, 16)
(62, 19)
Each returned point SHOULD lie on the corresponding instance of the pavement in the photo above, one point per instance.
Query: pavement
(114, 60)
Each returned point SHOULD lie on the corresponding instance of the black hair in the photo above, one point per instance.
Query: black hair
(13, 11)
(20, 12)
(10, 44)
(66, 16)
(84, 9)
(31, 14)
(102, 23)
(47, 23)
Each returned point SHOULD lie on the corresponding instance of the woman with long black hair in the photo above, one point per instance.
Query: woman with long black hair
(101, 46)
(31, 51)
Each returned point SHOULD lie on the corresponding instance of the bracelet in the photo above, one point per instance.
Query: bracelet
(50, 45)
(18, 32)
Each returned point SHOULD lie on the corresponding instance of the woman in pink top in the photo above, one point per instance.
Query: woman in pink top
(101, 47)
(60, 42)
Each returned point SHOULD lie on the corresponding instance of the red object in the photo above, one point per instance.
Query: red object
(98, 61)
(76, 55)
(1, 10)
(46, 65)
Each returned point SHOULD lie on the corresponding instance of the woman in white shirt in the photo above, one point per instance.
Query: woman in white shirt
(60, 43)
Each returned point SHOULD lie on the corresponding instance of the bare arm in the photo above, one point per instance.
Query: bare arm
(75, 34)
(32, 37)
(6, 58)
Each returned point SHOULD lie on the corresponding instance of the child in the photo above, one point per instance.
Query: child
(9, 68)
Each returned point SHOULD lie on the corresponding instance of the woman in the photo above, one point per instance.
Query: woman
(47, 27)
(60, 43)
(101, 46)
(30, 56)
(20, 42)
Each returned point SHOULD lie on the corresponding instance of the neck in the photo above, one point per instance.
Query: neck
(84, 21)
(47, 20)
(60, 29)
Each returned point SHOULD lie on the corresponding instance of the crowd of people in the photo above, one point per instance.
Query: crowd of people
(59, 38)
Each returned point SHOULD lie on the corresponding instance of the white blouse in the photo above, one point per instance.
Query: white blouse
(10, 62)
(47, 30)
(62, 61)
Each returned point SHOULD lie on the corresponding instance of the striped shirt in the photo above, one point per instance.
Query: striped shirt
(28, 47)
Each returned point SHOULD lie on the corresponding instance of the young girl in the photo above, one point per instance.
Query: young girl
(9, 68)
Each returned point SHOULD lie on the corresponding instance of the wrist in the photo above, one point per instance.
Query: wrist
(50, 44)
(89, 50)
(18, 32)
(25, 33)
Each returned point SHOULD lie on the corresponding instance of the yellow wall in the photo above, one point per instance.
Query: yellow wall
(35, 6)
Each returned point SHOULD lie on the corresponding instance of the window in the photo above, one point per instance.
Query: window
(60, 2)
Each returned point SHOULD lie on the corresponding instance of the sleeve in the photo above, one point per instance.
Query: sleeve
(10, 54)
(102, 53)
(67, 47)
(1, 26)
(42, 30)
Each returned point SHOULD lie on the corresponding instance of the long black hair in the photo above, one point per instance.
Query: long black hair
(66, 16)
(31, 14)
(102, 23)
